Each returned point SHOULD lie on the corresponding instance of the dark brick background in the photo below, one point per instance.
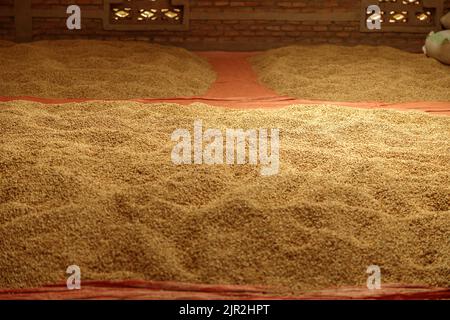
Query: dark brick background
(227, 34)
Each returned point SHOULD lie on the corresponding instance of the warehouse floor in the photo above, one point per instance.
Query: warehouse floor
(236, 86)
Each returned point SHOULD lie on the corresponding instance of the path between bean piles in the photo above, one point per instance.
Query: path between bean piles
(237, 86)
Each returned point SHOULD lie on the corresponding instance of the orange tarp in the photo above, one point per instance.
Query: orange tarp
(139, 289)
(237, 86)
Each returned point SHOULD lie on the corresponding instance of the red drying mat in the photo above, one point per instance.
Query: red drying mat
(237, 86)
(168, 290)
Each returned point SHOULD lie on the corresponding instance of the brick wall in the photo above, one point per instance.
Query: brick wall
(7, 28)
(225, 33)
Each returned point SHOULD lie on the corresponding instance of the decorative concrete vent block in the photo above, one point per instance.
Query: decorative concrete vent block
(412, 16)
(132, 15)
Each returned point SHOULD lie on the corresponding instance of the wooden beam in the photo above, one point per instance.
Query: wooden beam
(198, 15)
(276, 16)
(60, 12)
(23, 20)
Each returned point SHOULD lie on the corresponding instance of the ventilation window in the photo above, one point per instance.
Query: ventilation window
(146, 14)
(414, 16)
